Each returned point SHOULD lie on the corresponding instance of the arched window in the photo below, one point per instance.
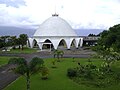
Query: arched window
(73, 43)
(35, 45)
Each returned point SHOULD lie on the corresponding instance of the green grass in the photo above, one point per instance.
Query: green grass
(57, 79)
(18, 51)
(4, 60)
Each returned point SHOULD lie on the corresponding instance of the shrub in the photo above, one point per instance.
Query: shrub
(117, 76)
(45, 72)
(71, 72)
(89, 60)
(88, 73)
(105, 68)
(91, 66)
(73, 59)
(54, 64)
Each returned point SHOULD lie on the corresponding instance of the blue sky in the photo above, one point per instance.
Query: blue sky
(97, 14)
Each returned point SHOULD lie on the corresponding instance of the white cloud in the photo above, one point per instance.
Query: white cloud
(13, 3)
(79, 13)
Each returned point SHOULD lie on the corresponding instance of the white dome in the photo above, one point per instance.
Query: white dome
(55, 26)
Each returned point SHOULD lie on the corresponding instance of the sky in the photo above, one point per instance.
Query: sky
(93, 14)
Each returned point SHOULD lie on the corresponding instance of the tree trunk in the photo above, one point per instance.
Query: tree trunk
(14, 47)
(28, 81)
(22, 47)
(19, 46)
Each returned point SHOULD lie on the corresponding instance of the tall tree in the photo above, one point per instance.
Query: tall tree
(111, 38)
(109, 44)
(14, 41)
(26, 69)
(93, 35)
(23, 39)
(5, 42)
(18, 42)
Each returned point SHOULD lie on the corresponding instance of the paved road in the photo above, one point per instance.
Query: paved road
(6, 77)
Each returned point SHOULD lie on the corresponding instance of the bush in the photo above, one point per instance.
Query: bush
(45, 73)
(91, 66)
(54, 64)
(117, 76)
(71, 72)
(89, 74)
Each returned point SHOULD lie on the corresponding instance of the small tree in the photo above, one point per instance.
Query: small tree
(26, 69)
(58, 54)
(54, 64)
(44, 72)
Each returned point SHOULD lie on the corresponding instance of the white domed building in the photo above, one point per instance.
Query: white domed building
(53, 33)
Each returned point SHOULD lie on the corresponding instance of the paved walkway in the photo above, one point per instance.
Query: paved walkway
(6, 77)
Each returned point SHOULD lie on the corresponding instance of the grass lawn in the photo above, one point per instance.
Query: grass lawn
(4, 60)
(25, 50)
(58, 79)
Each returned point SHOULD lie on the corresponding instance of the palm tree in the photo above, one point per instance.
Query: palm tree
(22, 67)
(58, 54)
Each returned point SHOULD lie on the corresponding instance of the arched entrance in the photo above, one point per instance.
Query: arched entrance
(47, 45)
(62, 44)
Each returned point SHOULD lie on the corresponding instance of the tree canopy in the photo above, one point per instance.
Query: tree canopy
(110, 39)
(6, 41)
(21, 66)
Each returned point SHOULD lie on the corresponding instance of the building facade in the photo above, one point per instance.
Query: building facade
(53, 33)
